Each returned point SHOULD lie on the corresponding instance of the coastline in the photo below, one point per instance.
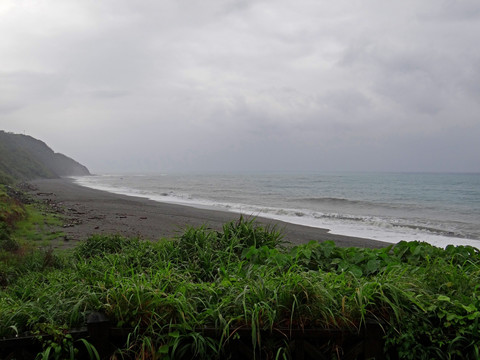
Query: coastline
(89, 211)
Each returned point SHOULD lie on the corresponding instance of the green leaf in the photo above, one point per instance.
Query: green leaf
(475, 315)
(164, 349)
(443, 298)
(175, 334)
(470, 308)
(451, 317)
(356, 271)
(372, 265)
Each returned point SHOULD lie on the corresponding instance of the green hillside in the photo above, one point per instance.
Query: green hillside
(23, 157)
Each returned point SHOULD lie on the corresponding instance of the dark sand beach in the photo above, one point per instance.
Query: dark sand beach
(88, 211)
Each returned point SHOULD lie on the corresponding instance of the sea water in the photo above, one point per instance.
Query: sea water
(440, 209)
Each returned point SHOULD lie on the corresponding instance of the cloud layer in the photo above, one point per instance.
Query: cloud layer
(233, 85)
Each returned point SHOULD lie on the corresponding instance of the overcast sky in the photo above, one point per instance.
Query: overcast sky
(231, 85)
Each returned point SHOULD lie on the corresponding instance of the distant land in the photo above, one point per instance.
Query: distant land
(23, 157)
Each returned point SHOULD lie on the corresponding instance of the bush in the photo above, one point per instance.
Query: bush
(425, 298)
(6, 241)
(99, 245)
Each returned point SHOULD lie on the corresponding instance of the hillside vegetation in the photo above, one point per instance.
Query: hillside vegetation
(23, 157)
(165, 295)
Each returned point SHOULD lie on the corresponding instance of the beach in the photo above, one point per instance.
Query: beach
(88, 211)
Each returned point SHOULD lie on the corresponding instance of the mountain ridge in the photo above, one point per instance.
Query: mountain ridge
(22, 157)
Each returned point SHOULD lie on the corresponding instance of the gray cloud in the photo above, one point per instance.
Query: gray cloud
(20, 89)
(232, 85)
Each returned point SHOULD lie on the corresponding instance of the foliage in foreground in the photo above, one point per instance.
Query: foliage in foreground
(425, 298)
(23, 227)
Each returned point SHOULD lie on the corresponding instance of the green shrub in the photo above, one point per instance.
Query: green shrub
(425, 298)
(99, 245)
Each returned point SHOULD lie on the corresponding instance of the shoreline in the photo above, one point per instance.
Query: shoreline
(89, 211)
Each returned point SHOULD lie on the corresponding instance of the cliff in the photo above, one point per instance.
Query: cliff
(23, 157)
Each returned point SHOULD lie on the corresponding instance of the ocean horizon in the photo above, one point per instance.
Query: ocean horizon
(437, 208)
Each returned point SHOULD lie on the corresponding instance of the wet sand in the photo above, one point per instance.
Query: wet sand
(88, 211)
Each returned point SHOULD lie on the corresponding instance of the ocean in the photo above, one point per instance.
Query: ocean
(440, 209)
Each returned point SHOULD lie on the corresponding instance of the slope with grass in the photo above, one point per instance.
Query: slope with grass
(11, 211)
(23, 157)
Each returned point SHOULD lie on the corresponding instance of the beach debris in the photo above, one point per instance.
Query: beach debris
(96, 217)
(72, 222)
(122, 215)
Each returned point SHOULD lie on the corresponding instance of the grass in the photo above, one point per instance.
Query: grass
(167, 293)
(37, 226)
(25, 224)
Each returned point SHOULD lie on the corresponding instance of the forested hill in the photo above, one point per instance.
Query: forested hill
(23, 157)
